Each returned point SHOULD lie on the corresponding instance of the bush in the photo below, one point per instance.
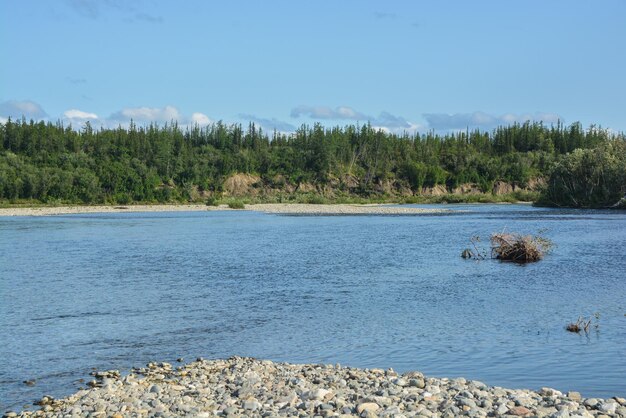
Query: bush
(315, 199)
(212, 201)
(236, 204)
(588, 178)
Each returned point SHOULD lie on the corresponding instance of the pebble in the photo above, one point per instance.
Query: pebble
(367, 406)
(248, 387)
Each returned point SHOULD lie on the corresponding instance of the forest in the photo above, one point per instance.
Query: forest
(559, 165)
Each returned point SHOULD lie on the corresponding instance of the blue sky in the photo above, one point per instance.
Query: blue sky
(402, 65)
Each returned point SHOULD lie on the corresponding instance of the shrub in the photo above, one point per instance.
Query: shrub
(236, 204)
(588, 178)
(315, 199)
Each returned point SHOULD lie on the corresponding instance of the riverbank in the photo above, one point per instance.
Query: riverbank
(278, 208)
(248, 387)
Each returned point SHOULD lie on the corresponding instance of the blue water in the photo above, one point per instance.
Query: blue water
(118, 290)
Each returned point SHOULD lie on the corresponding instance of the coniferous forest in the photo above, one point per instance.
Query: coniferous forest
(555, 165)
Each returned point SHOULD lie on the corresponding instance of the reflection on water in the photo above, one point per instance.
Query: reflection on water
(119, 290)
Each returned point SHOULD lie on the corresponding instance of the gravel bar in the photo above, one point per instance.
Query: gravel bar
(278, 208)
(239, 387)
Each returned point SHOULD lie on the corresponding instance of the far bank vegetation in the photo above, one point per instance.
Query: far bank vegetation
(51, 163)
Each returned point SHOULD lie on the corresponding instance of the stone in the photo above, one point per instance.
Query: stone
(418, 383)
(367, 406)
(549, 392)
(251, 405)
(320, 394)
(608, 407)
(519, 411)
(574, 396)
(502, 409)
(467, 403)
(590, 403)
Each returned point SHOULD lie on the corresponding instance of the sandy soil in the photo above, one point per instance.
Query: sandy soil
(277, 208)
(306, 209)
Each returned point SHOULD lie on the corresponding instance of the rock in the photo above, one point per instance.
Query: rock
(251, 405)
(590, 403)
(320, 394)
(502, 409)
(418, 383)
(367, 406)
(549, 392)
(575, 396)
(155, 389)
(608, 407)
(519, 411)
(466, 402)
(230, 410)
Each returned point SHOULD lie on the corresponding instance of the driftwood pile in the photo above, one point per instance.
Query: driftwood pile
(519, 248)
(510, 247)
(580, 325)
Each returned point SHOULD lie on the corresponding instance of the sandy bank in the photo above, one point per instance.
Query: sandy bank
(69, 210)
(277, 208)
(341, 209)
(255, 388)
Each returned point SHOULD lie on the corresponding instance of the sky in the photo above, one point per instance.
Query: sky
(400, 65)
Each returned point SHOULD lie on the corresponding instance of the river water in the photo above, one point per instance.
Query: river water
(119, 290)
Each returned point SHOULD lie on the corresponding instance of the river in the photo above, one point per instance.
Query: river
(119, 290)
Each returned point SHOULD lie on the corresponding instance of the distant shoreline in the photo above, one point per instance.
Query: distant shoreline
(275, 208)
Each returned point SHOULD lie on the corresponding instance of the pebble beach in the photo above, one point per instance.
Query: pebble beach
(247, 387)
(276, 208)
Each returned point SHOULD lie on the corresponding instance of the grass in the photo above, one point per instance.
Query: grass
(236, 204)
(308, 198)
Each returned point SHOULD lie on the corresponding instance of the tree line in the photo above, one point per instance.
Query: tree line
(50, 162)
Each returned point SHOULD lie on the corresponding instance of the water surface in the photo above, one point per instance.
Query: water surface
(119, 290)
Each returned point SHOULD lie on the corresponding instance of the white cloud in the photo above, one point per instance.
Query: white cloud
(348, 113)
(200, 119)
(384, 120)
(444, 121)
(159, 115)
(18, 108)
(78, 118)
(79, 114)
(325, 112)
(148, 114)
(268, 124)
